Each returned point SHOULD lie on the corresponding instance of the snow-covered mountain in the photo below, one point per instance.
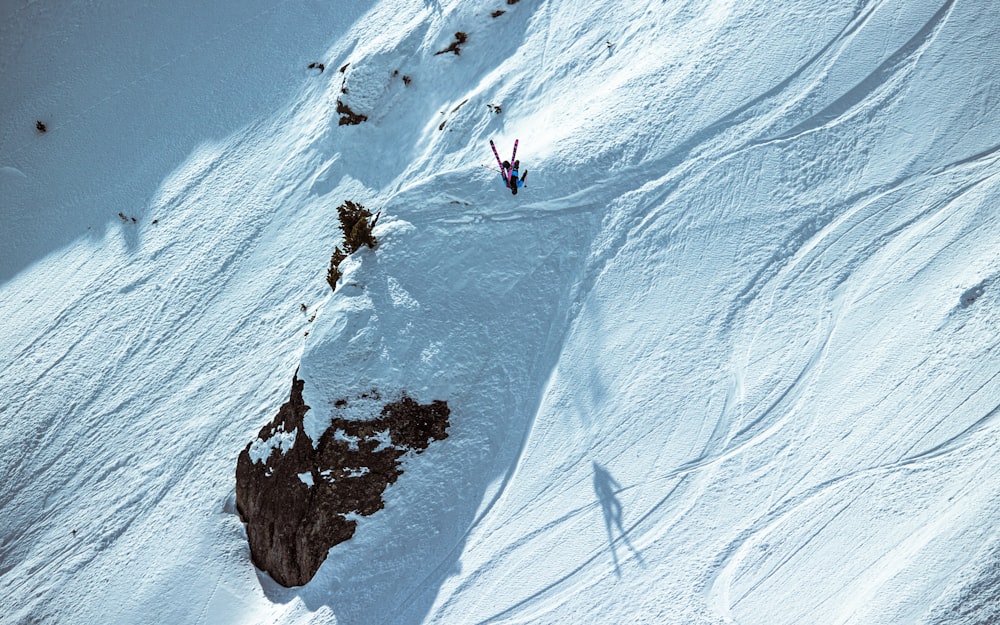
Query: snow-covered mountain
(730, 357)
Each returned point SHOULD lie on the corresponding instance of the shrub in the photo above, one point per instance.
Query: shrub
(356, 222)
(333, 273)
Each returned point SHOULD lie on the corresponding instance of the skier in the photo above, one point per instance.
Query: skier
(510, 177)
(511, 180)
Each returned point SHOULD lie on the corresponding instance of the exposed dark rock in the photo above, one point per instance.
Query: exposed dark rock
(347, 116)
(291, 525)
(455, 46)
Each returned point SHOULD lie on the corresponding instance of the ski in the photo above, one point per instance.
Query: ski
(499, 162)
(512, 178)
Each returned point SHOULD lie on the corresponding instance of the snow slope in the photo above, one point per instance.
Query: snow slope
(729, 358)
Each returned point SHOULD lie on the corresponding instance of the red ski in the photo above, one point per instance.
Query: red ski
(503, 172)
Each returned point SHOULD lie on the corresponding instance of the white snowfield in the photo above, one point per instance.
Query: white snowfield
(731, 357)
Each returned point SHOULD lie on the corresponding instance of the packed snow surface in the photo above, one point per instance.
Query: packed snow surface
(730, 357)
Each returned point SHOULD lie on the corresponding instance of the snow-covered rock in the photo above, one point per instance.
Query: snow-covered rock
(292, 520)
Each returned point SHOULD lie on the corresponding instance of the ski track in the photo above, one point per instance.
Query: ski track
(788, 509)
(687, 165)
(878, 87)
(882, 84)
(890, 67)
(939, 452)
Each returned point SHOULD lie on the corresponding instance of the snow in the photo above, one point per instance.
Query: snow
(384, 440)
(728, 358)
(352, 441)
(307, 478)
(260, 450)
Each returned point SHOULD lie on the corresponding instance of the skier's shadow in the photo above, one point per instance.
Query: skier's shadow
(607, 489)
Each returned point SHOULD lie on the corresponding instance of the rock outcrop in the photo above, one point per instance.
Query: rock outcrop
(294, 498)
